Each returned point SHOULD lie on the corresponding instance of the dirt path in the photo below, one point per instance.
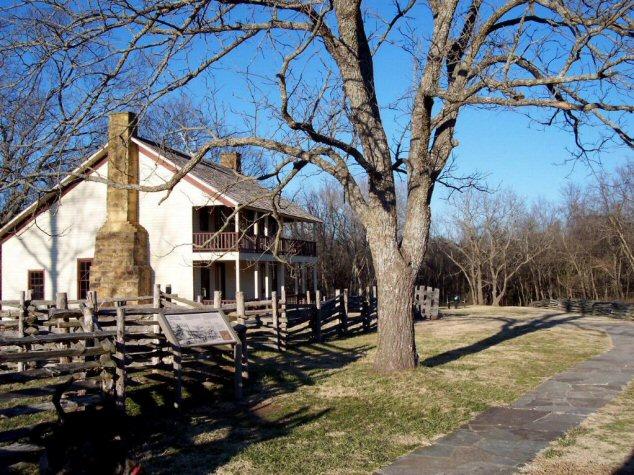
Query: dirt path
(502, 439)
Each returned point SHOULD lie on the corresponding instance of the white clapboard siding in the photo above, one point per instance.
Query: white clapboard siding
(57, 237)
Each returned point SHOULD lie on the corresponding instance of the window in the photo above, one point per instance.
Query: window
(36, 284)
(83, 277)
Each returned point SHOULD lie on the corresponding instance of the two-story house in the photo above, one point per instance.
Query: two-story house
(213, 231)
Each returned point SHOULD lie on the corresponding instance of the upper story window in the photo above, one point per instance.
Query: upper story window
(36, 284)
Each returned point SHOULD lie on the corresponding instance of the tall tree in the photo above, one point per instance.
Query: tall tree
(564, 61)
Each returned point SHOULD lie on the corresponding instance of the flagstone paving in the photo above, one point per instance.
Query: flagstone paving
(501, 439)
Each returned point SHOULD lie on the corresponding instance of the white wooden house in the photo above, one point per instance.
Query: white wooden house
(49, 247)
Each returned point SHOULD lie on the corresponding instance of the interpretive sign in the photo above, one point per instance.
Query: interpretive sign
(188, 329)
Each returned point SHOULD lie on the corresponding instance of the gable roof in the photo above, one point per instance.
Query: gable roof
(241, 189)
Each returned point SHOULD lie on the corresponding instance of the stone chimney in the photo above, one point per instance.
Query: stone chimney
(231, 160)
(121, 266)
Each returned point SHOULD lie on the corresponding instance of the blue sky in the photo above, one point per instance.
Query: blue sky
(533, 161)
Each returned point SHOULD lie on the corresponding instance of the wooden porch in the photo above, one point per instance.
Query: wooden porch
(235, 241)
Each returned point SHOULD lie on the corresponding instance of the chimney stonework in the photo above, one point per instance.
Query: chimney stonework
(121, 266)
(231, 160)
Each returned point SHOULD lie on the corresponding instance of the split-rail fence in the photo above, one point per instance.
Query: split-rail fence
(619, 310)
(66, 355)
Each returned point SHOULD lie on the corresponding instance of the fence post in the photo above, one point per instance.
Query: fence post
(61, 302)
(168, 291)
(275, 318)
(374, 306)
(87, 326)
(308, 297)
(88, 313)
(120, 360)
(435, 303)
(90, 310)
(339, 308)
(428, 299)
(217, 299)
(156, 328)
(240, 355)
(345, 310)
(317, 326)
(240, 307)
(282, 322)
(237, 371)
(21, 320)
(365, 309)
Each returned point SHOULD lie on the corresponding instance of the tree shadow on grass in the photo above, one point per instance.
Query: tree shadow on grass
(208, 436)
(627, 467)
(299, 366)
(511, 329)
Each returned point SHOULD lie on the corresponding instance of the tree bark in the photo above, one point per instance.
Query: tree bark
(395, 287)
(395, 277)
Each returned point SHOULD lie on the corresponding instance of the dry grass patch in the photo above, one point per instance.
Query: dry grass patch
(602, 444)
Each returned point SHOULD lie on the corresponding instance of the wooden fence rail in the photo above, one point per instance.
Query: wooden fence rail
(62, 356)
(589, 307)
(279, 323)
(88, 351)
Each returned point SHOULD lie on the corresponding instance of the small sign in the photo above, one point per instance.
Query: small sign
(207, 328)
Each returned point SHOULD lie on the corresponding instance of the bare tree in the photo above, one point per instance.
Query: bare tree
(564, 63)
(35, 149)
(512, 241)
(467, 244)
(616, 198)
(344, 257)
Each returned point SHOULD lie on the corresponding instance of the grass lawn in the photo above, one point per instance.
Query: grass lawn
(322, 408)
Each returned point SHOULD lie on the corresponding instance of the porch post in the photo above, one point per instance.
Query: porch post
(238, 288)
(237, 230)
(267, 279)
(281, 268)
(315, 284)
(296, 279)
(256, 280)
(303, 268)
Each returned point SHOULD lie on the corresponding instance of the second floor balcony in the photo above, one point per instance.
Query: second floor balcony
(239, 242)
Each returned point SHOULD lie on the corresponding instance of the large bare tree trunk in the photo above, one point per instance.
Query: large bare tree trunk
(395, 286)
(396, 264)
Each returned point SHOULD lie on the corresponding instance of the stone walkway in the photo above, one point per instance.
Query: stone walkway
(502, 439)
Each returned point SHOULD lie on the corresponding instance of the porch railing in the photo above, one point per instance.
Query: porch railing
(232, 241)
